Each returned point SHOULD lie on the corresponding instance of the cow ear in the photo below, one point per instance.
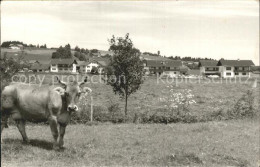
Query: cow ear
(61, 82)
(86, 90)
(60, 90)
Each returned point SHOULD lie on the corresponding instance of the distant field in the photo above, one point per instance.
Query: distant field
(30, 54)
(225, 143)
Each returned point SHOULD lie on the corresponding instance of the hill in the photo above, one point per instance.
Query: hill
(30, 54)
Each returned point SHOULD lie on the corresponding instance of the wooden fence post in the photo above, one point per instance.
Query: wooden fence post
(91, 108)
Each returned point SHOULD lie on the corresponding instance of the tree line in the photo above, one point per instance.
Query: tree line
(81, 53)
(7, 44)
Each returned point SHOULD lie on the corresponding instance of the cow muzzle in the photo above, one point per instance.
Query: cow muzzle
(72, 108)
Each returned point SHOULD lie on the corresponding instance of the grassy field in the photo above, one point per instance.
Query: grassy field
(219, 143)
(213, 143)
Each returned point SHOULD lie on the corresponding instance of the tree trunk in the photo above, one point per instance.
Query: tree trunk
(126, 98)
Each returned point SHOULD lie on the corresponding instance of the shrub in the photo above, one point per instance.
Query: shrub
(244, 106)
(116, 115)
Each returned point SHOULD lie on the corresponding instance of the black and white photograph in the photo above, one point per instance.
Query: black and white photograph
(130, 83)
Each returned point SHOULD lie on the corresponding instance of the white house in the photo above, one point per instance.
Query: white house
(63, 65)
(100, 63)
(165, 67)
(235, 68)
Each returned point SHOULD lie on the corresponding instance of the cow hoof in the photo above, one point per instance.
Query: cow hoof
(56, 147)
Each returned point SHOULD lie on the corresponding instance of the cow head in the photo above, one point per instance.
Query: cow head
(71, 93)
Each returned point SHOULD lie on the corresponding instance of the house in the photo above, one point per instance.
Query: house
(40, 67)
(100, 63)
(16, 46)
(166, 67)
(209, 67)
(63, 65)
(235, 68)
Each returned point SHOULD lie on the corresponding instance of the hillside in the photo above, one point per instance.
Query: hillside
(30, 54)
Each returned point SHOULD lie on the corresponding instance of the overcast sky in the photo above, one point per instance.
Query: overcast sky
(215, 29)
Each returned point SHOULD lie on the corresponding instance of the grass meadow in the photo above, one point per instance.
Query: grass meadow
(216, 143)
(209, 142)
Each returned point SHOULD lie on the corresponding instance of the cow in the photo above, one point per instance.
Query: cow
(50, 103)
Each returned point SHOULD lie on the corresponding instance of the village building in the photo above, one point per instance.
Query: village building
(235, 68)
(99, 63)
(63, 65)
(226, 68)
(165, 67)
(16, 46)
(40, 67)
(209, 67)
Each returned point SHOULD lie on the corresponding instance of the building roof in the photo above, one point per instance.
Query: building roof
(80, 63)
(208, 63)
(148, 57)
(104, 53)
(223, 62)
(37, 66)
(63, 61)
(168, 63)
(102, 63)
(194, 72)
(101, 60)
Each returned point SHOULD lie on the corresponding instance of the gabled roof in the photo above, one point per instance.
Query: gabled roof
(63, 61)
(37, 66)
(223, 62)
(102, 63)
(80, 63)
(159, 63)
(101, 60)
(103, 53)
(148, 57)
(208, 63)
(39, 61)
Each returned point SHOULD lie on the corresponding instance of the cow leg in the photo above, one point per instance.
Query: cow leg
(4, 122)
(62, 133)
(21, 127)
(54, 130)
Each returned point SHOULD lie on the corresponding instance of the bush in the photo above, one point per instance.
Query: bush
(244, 106)
(116, 115)
(163, 115)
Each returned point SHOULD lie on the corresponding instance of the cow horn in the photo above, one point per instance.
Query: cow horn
(61, 82)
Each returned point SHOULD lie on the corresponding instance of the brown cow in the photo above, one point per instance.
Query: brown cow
(25, 102)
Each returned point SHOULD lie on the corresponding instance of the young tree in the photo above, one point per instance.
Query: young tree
(127, 74)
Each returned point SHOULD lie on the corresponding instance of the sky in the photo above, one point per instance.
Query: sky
(215, 29)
